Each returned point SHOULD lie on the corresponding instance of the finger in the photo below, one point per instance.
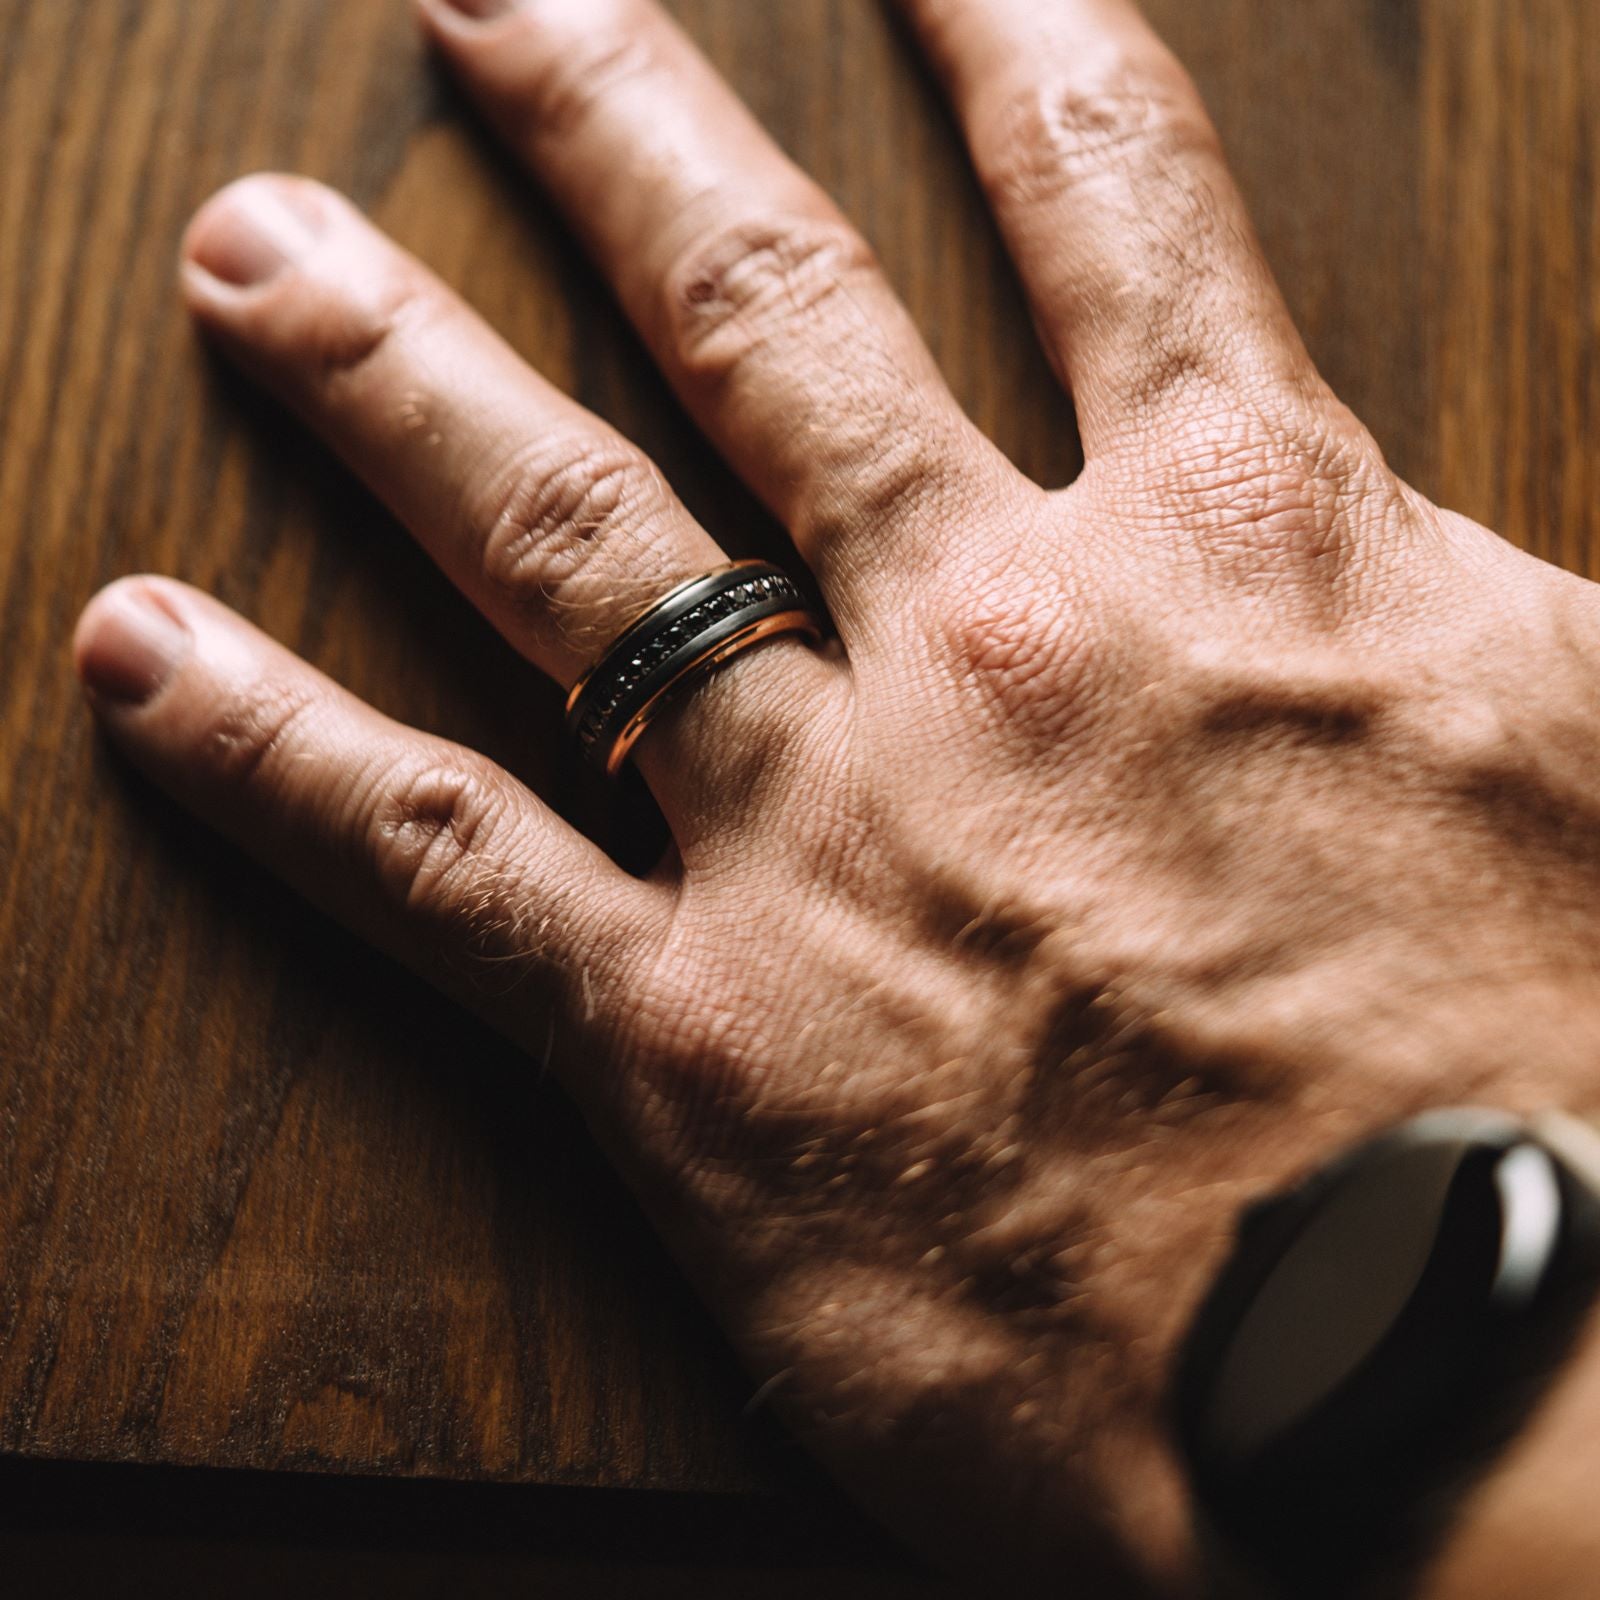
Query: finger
(555, 526)
(762, 305)
(429, 849)
(1109, 183)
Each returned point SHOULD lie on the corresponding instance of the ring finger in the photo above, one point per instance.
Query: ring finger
(551, 522)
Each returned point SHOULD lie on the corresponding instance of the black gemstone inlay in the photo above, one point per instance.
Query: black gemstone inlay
(627, 680)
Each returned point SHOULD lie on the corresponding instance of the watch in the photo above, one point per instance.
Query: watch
(1379, 1332)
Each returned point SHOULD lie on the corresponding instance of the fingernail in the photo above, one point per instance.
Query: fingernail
(482, 9)
(129, 645)
(253, 229)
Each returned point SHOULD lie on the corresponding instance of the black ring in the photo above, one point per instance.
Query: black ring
(691, 628)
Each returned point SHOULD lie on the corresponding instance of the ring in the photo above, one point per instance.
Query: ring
(676, 639)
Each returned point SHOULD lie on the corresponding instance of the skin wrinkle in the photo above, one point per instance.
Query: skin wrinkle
(735, 283)
(1154, 162)
(493, 938)
(555, 509)
(736, 290)
(584, 83)
(253, 731)
(337, 328)
(1047, 137)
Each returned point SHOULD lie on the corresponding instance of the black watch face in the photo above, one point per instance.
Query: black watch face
(1375, 1330)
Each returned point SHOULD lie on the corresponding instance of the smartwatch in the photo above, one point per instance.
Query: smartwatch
(1379, 1332)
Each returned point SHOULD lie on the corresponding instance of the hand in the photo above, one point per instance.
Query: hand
(1138, 842)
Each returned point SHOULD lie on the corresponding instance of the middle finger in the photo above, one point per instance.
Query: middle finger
(763, 306)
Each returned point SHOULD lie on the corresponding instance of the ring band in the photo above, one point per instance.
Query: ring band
(676, 639)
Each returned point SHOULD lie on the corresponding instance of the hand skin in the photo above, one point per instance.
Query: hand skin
(1136, 845)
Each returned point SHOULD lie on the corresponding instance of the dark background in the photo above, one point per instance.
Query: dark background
(292, 1258)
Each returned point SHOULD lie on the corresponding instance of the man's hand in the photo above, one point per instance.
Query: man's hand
(1138, 843)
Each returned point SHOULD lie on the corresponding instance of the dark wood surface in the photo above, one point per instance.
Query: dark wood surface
(264, 1201)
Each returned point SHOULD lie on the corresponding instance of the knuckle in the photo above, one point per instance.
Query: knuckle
(553, 508)
(561, 85)
(1134, 140)
(1307, 492)
(730, 294)
(1062, 131)
(434, 836)
(1027, 654)
(252, 734)
(338, 330)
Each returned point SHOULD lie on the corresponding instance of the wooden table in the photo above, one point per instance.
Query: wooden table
(266, 1203)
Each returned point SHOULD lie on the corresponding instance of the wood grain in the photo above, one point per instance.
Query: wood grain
(264, 1201)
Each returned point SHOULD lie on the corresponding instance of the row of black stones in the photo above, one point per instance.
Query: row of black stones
(632, 671)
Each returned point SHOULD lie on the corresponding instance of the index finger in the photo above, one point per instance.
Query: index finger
(1108, 180)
